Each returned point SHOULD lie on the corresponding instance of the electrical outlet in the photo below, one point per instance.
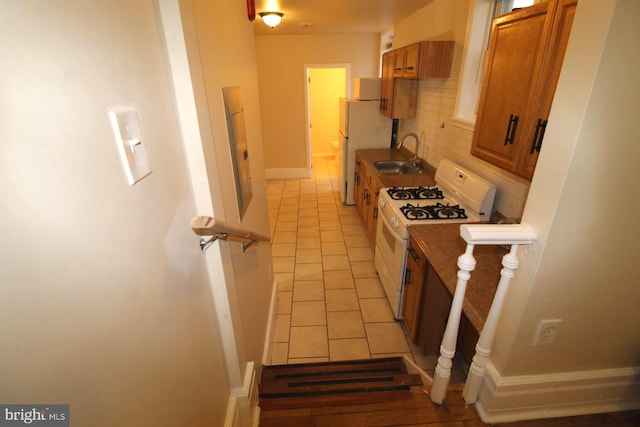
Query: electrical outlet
(547, 332)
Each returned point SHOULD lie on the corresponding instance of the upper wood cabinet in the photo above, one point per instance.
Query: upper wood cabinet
(424, 60)
(401, 69)
(522, 68)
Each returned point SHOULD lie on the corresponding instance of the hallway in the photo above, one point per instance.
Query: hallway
(331, 305)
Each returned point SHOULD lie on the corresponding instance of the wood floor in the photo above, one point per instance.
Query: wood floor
(421, 412)
(378, 393)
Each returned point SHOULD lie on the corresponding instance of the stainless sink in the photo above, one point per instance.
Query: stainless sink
(395, 167)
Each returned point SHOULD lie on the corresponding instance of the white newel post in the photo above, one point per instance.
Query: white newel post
(483, 348)
(478, 234)
(466, 263)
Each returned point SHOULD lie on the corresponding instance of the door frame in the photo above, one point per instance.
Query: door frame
(307, 104)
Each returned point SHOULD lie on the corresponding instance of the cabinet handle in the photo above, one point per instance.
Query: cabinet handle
(409, 68)
(407, 276)
(537, 138)
(511, 129)
(357, 178)
(414, 254)
(366, 196)
(375, 213)
(397, 69)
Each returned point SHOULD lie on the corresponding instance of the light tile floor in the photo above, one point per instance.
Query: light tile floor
(331, 305)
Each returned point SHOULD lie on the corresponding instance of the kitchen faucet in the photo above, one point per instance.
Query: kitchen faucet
(414, 161)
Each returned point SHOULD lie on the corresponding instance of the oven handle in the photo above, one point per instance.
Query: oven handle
(385, 223)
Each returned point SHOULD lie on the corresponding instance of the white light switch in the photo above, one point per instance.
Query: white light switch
(128, 134)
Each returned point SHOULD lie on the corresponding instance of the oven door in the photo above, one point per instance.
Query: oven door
(390, 259)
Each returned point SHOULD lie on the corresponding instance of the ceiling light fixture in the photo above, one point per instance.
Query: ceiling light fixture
(271, 18)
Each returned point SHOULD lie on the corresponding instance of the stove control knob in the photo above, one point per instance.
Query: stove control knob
(382, 203)
(394, 222)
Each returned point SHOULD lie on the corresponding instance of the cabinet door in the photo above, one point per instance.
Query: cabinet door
(512, 74)
(435, 312)
(411, 61)
(559, 38)
(372, 213)
(386, 88)
(412, 292)
(398, 62)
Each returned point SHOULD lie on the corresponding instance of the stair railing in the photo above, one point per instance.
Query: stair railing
(209, 226)
(478, 234)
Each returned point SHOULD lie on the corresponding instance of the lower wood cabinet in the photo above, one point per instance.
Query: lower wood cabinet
(426, 306)
(413, 288)
(366, 191)
(436, 303)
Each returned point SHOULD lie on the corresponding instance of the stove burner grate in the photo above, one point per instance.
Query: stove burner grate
(437, 211)
(415, 193)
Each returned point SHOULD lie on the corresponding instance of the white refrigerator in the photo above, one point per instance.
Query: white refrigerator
(361, 126)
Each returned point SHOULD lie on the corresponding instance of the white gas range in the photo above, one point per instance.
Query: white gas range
(459, 196)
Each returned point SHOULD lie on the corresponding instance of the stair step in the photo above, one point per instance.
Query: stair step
(337, 383)
(352, 367)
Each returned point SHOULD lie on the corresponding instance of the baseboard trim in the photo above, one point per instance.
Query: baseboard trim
(287, 173)
(271, 325)
(243, 409)
(507, 399)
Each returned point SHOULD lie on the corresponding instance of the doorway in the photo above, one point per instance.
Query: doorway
(326, 84)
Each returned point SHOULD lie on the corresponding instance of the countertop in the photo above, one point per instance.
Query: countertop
(442, 245)
(374, 154)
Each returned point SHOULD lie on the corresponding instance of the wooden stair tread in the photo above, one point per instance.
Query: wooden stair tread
(338, 383)
(395, 364)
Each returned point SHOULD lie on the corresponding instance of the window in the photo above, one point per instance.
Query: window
(481, 14)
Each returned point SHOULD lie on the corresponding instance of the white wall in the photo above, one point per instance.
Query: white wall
(281, 61)
(105, 298)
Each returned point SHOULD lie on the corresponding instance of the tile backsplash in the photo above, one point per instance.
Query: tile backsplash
(442, 138)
